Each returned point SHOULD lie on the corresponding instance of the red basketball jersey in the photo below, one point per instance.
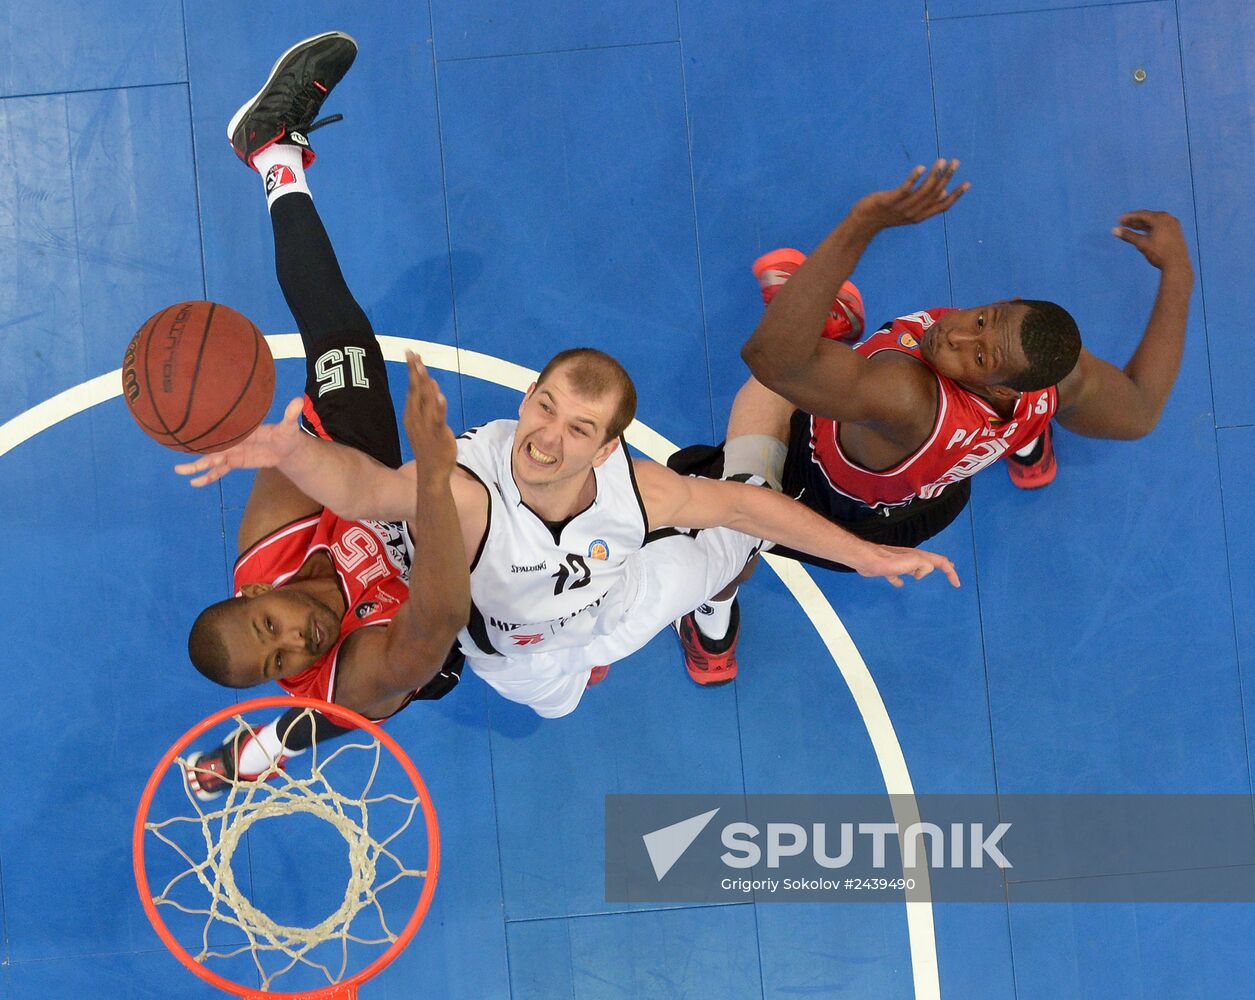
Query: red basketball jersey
(967, 434)
(371, 560)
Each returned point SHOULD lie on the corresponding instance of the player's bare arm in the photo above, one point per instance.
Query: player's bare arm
(689, 502)
(787, 354)
(1098, 399)
(333, 475)
(380, 667)
(322, 473)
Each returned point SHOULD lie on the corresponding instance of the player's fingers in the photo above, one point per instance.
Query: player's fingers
(191, 468)
(915, 190)
(211, 471)
(210, 477)
(954, 196)
(944, 178)
(937, 178)
(292, 412)
(419, 376)
(931, 196)
(946, 566)
(911, 178)
(895, 580)
(1129, 236)
(1141, 219)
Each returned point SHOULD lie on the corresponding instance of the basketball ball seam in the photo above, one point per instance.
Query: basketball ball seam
(148, 382)
(191, 386)
(187, 443)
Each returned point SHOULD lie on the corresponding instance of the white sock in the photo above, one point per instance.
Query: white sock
(261, 753)
(1028, 448)
(282, 170)
(756, 455)
(713, 618)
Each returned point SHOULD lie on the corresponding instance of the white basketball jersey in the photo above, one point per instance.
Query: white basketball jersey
(537, 588)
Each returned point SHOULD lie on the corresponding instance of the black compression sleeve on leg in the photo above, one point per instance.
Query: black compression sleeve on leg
(298, 730)
(346, 379)
(310, 275)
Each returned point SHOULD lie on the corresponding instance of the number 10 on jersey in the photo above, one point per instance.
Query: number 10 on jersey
(572, 574)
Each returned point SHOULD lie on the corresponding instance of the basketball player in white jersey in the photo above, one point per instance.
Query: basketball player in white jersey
(578, 554)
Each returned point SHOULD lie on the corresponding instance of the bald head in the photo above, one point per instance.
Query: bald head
(595, 375)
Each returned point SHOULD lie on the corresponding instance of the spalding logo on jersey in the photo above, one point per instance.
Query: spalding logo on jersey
(366, 608)
(598, 549)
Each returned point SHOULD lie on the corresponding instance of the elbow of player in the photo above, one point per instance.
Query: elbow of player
(1145, 420)
(1132, 429)
(1143, 427)
(763, 366)
(751, 354)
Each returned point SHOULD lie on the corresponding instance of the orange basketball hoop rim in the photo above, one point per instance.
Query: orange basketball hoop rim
(347, 988)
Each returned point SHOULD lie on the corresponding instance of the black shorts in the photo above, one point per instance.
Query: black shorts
(347, 398)
(907, 525)
(346, 380)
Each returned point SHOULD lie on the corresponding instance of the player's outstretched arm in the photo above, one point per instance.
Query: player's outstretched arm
(1097, 398)
(344, 479)
(439, 604)
(787, 353)
(688, 502)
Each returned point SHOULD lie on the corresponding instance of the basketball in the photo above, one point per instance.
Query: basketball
(198, 377)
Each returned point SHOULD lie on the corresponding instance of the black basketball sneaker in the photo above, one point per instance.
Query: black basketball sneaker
(285, 107)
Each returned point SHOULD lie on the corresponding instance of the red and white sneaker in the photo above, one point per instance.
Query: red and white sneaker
(1034, 475)
(709, 662)
(846, 320)
(209, 774)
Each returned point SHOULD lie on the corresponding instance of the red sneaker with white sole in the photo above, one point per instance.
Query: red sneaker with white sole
(710, 662)
(208, 774)
(1034, 475)
(846, 320)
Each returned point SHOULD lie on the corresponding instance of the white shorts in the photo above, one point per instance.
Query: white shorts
(664, 581)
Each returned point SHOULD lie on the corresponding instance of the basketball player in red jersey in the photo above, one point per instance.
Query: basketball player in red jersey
(360, 613)
(882, 438)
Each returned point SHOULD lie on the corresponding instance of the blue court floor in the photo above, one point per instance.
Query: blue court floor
(517, 178)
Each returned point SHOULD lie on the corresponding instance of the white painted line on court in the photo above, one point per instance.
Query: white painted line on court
(919, 915)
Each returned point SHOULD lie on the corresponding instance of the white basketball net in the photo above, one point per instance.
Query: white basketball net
(246, 803)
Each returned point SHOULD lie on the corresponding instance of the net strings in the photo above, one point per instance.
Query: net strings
(276, 793)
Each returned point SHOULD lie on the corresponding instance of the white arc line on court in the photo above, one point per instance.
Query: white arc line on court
(919, 913)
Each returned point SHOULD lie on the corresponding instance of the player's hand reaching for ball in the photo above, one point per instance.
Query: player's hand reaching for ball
(921, 196)
(426, 424)
(1158, 236)
(265, 448)
(893, 563)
